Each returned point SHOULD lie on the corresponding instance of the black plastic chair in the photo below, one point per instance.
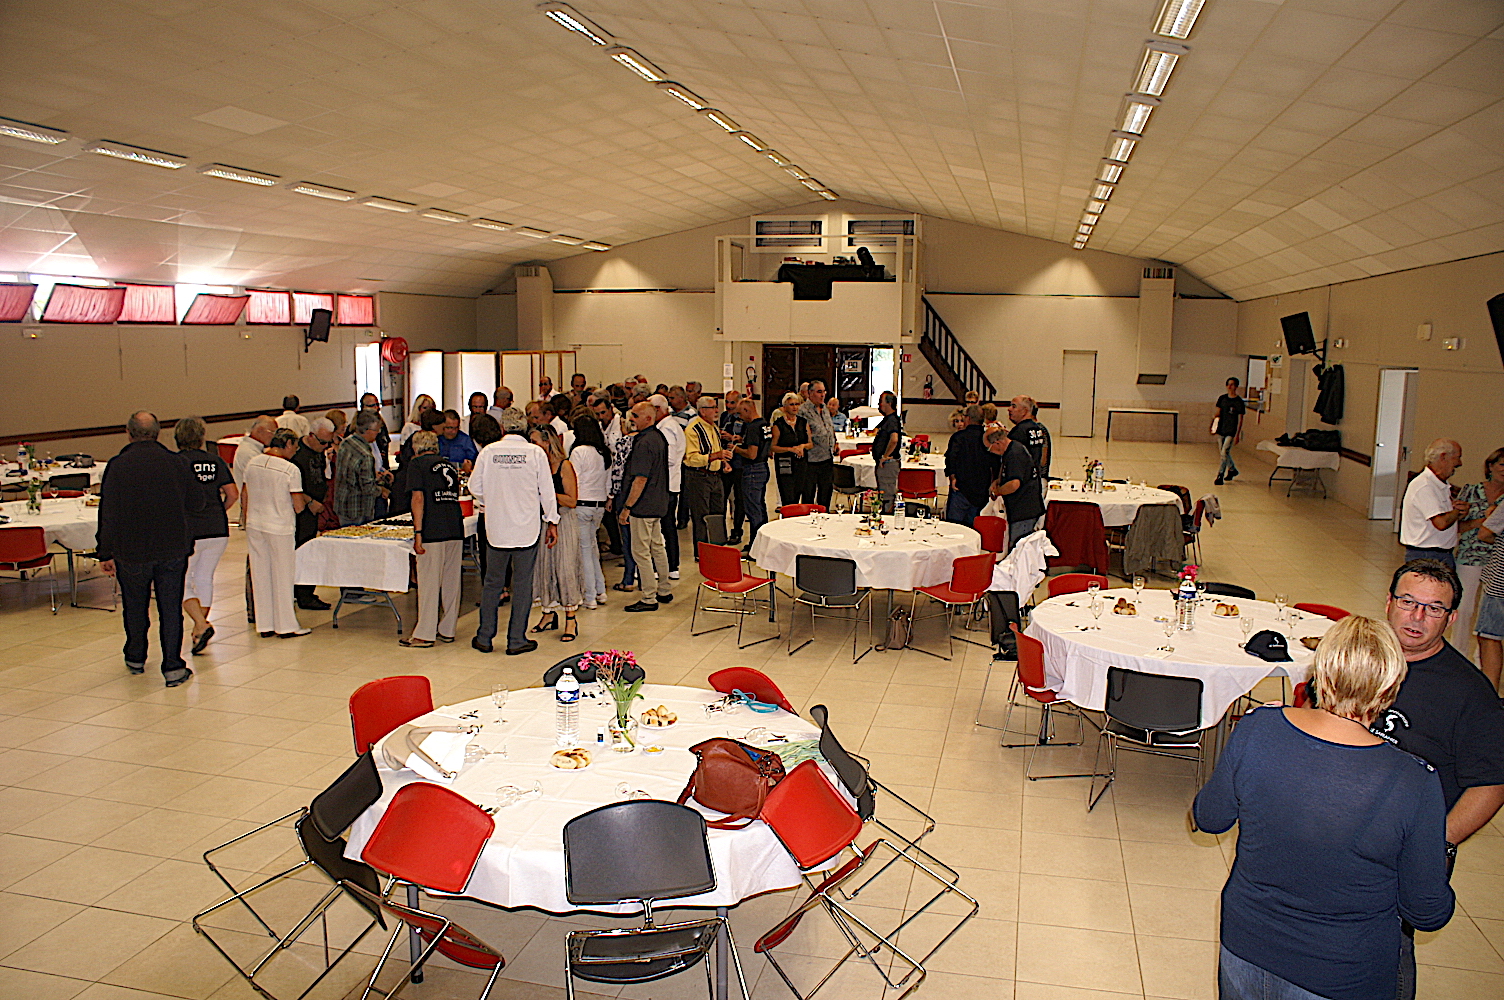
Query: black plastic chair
(1149, 713)
(585, 675)
(319, 829)
(715, 528)
(843, 482)
(825, 583)
(669, 859)
(1229, 590)
(69, 481)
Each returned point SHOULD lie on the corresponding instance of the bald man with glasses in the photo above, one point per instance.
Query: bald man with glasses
(310, 460)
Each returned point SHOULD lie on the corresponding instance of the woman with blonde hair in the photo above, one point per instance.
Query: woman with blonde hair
(1341, 834)
(557, 581)
(414, 424)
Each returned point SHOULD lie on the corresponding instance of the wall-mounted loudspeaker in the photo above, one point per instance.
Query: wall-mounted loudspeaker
(1299, 338)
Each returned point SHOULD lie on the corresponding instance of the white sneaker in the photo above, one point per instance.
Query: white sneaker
(600, 599)
(590, 606)
(673, 574)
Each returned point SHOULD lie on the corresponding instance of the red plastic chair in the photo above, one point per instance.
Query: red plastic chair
(1302, 690)
(1336, 614)
(917, 484)
(864, 449)
(1077, 531)
(382, 705)
(429, 836)
(62, 494)
(848, 452)
(721, 566)
(435, 933)
(994, 531)
(226, 452)
(754, 682)
(26, 548)
(800, 509)
(1030, 677)
(970, 576)
(1075, 583)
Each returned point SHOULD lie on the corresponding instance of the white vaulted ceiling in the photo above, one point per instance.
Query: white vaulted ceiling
(1299, 143)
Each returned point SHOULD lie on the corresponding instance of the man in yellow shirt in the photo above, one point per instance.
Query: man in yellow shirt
(704, 459)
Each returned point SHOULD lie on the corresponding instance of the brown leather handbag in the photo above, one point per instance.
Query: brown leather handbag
(732, 778)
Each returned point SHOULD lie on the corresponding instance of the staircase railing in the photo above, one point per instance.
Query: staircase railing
(949, 350)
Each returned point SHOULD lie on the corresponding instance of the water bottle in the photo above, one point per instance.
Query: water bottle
(898, 513)
(567, 710)
(1185, 605)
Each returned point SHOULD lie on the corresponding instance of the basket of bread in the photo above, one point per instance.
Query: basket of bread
(572, 759)
(1124, 607)
(1225, 610)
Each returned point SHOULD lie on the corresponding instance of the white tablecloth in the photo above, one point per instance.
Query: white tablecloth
(368, 563)
(903, 560)
(523, 863)
(866, 469)
(94, 472)
(1076, 662)
(1118, 506)
(67, 523)
(1300, 458)
(853, 440)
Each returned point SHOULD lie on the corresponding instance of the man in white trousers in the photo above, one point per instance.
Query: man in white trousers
(272, 498)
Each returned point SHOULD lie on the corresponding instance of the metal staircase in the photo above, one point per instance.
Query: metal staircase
(949, 359)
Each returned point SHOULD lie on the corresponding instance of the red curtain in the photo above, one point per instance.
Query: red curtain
(83, 304)
(215, 310)
(356, 310)
(304, 303)
(149, 304)
(15, 299)
(270, 308)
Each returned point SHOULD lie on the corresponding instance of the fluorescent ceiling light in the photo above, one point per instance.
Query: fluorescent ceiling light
(569, 241)
(682, 93)
(567, 16)
(1110, 172)
(1091, 218)
(241, 174)
(1085, 229)
(721, 120)
(442, 215)
(812, 184)
(777, 157)
(1096, 207)
(389, 204)
(593, 245)
(827, 195)
(322, 191)
(1102, 192)
(1178, 17)
(1079, 245)
(537, 234)
(1159, 62)
(795, 172)
(1121, 146)
(1136, 114)
(500, 227)
(750, 140)
(137, 154)
(634, 61)
(34, 133)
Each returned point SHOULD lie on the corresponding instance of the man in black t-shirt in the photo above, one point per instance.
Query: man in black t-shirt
(750, 457)
(647, 502)
(887, 449)
(309, 458)
(1229, 429)
(1446, 713)
(1015, 483)
(438, 540)
(971, 468)
(1023, 411)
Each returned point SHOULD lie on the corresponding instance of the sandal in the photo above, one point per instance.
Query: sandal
(553, 623)
(416, 643)
(625, 588)
(571, 629)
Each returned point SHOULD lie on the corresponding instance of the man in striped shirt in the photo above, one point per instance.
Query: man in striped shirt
(704, 460)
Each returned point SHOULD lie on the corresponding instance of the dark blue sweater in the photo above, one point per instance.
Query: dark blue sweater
(1335, 844)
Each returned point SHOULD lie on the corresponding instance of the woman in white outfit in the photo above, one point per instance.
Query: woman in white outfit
(211, 526)
(273, 498)
(592, 470)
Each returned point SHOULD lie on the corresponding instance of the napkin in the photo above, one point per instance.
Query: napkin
(446, 748)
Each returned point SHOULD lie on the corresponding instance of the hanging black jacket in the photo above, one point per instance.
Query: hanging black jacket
(1329, 399)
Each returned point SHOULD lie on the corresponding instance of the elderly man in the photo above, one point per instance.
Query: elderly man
(475, 406)
(704, 459)
(251, 445)
(455, 445)
(820, 460)
(1446, 712)
(310, 458)
(545, 388)
(1429, 515)
(887, 449)
(273, 497)
(144, 539)
(503, 397)
(1023, 413)
(693, 391)
(680, 406)
(750, 458)
(646, 505)
(291, 419)
(513, 485)
(577, 383)
(1014, 482)
(612, 429)
(730, 426)
(359, 487)
(673, 432)
(971, 467)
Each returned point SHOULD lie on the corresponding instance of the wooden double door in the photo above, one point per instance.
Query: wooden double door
(786, 366)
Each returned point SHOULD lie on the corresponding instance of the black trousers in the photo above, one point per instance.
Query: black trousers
(671, 531)
(818, 480)
(613, 532)
(703, 496)
(137, 581)
(732, 483)
(305, 528)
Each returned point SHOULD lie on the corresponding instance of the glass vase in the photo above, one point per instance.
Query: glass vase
(623, 734)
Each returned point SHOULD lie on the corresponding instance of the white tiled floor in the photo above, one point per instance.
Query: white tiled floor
(112, 786)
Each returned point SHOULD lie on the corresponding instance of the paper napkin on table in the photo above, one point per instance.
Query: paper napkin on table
(448, 749)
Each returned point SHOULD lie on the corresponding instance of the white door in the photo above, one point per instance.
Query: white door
(1078, 394)
(1391, 454)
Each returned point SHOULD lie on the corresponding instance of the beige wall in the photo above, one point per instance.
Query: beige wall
(428, 322)
(1458, 392)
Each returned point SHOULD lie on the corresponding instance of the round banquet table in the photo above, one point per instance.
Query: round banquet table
(65, 522)
(1118, 505)
(919, 556)
(1076, 660)
(845, 440)
(522, 865)
(866, 469)
(94, 472)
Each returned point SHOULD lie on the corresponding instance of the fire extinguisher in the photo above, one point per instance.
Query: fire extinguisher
(929, 387)
(751, 382)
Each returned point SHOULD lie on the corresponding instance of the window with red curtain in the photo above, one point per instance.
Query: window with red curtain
(355, 310)
(15, 299)
(149, 304)
(268, 308)
(83, 304)
(304, 303)
(215, 310)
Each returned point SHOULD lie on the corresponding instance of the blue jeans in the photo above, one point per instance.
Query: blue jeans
(1440, 555)
(589, 519)
(1228, 465)
(959, 510)
(137, 581)
(1240, 980)
(755, 497)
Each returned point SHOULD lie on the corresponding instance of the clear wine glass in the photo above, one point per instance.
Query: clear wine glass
(499, 694)
(1279, 603)
(1093, 588)
(510, 795)
(1138, 589)
(1096, 608)
(1169, 624)
(1245, 623)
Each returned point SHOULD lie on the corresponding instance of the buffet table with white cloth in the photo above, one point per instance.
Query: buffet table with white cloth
(866, 469)
(1305, 465)
(522, 865)
(1078, 648)
(1119, 501)
(368, 563)
(918, 555)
